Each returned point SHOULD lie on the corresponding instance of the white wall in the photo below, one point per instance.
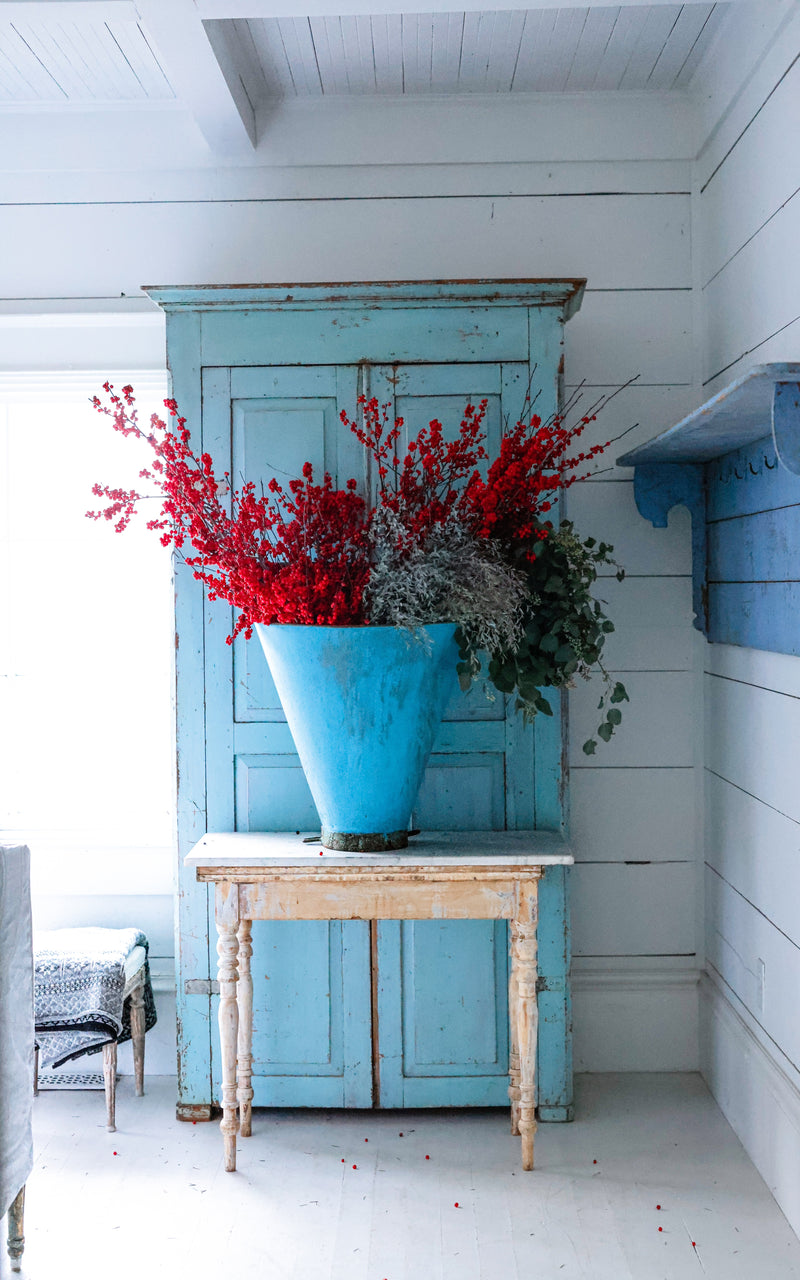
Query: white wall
(747, 227)
(488, 189)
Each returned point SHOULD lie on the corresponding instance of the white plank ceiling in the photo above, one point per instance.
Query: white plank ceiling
(653, 47)
(80, 59)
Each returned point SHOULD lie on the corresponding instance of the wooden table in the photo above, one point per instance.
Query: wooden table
(487, 875)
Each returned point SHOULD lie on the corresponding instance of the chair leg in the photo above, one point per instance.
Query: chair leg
(137, 1036)
(16, 1237)
(110, 1075)
(36, 1071)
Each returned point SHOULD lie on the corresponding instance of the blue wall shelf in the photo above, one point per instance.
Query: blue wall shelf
(735, 463)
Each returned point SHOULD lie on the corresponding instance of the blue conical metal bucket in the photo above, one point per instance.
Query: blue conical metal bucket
(363, 705)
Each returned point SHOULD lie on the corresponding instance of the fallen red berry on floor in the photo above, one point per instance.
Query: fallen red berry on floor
(594, 1162)
(355, 1166)
(455, 1206)
(427, 1157)
(366, 1139)
(658, 1206)
(661, 1228)
(694, 1246)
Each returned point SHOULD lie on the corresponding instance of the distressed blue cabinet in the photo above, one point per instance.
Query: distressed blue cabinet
(353, 1014)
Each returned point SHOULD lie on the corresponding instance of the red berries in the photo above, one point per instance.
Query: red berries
(303, 553)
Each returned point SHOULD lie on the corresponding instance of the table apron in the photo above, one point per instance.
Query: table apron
(284, 900)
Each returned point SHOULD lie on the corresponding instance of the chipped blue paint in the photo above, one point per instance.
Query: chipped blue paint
(786, 425)
(660, 486)
(266, 370)
(735, 462)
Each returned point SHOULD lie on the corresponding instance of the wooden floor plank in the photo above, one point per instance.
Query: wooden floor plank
(297, 1210)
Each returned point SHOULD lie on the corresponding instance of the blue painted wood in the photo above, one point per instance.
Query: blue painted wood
(282, 418)
(565, 295)
(660, 486)
(194, 902)
(757, 615)
(464, 789)
(554, 1085)
(762, 547)
(735, 462)
(322, 1057)
(754, 550)
(550, 770)
(748, 481)
(786, 424)
(732, 419)
(325, 343)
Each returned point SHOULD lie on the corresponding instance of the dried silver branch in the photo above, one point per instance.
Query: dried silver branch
(452, 577)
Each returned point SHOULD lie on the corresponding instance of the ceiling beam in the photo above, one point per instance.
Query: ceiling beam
(204, 79)
(325, 8)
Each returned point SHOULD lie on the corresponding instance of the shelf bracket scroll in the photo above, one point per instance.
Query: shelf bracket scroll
(660, 486)
(786, 424)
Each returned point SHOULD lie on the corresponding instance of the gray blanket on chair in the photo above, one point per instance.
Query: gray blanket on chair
(79, 981)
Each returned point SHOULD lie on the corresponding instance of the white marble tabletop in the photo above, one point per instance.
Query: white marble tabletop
(429, 848)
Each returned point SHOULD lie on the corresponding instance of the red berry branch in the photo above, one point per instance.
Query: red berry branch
(439, 543)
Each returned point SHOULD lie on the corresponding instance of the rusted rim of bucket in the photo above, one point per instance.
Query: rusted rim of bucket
(364, 841)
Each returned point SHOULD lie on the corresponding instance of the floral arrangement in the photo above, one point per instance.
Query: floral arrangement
(441, 542)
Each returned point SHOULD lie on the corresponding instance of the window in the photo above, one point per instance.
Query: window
(86, 645)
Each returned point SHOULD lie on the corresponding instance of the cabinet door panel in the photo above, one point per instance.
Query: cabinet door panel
(461, 792)
(442, 986)
(311, 1003)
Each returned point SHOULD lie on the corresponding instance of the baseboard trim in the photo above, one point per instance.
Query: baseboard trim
(758, 1098)
(629, 1018)
(613, 979)
(162, 976)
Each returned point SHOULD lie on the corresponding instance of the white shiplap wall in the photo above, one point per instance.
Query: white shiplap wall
(747, 224)
(623, 222)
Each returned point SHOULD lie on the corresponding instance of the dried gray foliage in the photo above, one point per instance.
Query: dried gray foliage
(452, 577)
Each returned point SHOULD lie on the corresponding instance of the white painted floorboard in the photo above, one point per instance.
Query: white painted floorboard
(298, 1210)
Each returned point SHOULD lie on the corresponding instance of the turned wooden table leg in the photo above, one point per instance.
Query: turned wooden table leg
(110, 1078)
(16, 1235)
(513, 1040)
(244, 1090)
(527, 1013)
(137, 1036)
(227, 911)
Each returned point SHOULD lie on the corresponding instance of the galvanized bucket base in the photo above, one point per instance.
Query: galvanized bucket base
(364, 841)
